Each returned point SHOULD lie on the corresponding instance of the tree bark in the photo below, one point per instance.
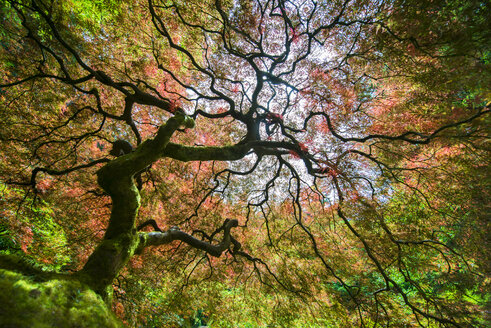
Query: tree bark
(121, 238)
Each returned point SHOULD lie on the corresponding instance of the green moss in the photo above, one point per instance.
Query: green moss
(25, 302)
(106, 262)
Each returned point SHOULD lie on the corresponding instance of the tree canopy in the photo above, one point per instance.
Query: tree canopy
(259, 163)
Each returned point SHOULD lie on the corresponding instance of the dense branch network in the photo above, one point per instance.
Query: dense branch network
(267, 94)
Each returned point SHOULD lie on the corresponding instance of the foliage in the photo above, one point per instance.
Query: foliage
(294, 163)
(29, 226)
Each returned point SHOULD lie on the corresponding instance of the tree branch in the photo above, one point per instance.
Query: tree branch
(156, 238)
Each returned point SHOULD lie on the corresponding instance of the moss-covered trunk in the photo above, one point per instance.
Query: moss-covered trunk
(121, 238)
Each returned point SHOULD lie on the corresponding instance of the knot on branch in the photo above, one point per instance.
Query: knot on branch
(184, 120)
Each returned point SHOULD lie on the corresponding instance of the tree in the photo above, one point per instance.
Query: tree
(330, 150)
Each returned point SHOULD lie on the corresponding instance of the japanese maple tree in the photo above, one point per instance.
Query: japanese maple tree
(330, 153)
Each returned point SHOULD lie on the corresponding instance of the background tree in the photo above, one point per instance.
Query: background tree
(332, 152)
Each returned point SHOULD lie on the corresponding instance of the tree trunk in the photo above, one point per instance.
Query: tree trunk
(121, 238)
